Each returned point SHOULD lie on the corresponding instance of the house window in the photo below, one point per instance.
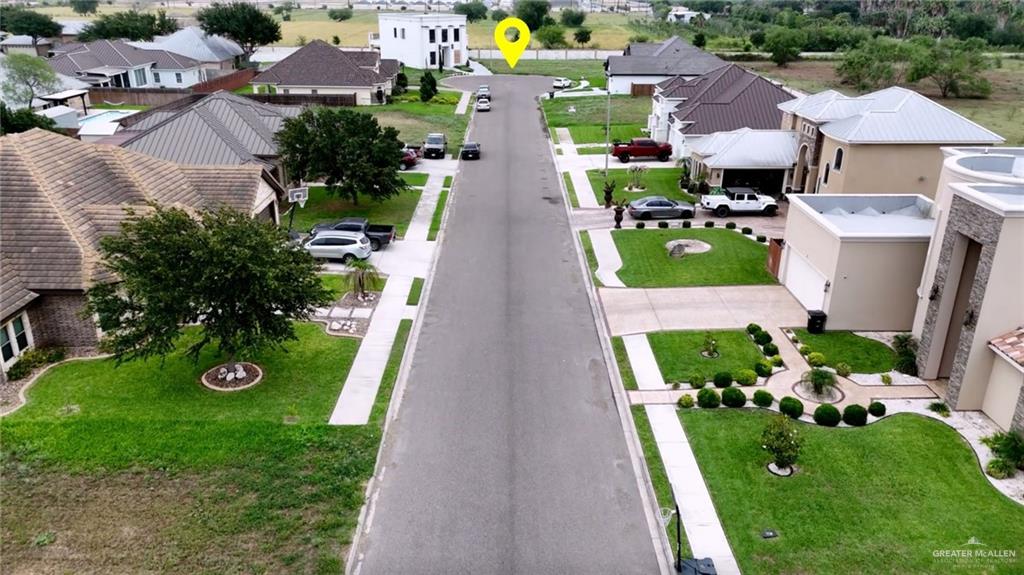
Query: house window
(14, 339)
(156, 77)
(839, 159)
(824, 178)
(395, 32)
(140, 77)
(455, 34)
(444, 35)
(431, 36)
(433, 59)
(177, 77)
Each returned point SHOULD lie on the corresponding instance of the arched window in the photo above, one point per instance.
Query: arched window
(839, 159)
(824, 178)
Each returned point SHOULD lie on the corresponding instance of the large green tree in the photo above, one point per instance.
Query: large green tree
(534, 13)
(84, 6)
(582, 36)
(130, 25)
(238, 278)
(955, 66)
(551, 37)
(784, 44)
(23, 120)
(19, 20)
(572, 18)
(473, 11)
(878, 63)
(243, 22)
(346, 150)
(26, 77)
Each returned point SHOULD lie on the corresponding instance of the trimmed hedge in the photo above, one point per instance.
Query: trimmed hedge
(708, 398)
(855, 415)
(697, 381)
(827, 415)
(816, 359)
(763, 368)
(640, 225)
(770, 349)
(709, 224)
(762, 239)
(763, 398)
(746, 377)
(876, 408)
(747, 231)
(686, 223)
(777, 360)
(753, 328)
(762, 337)
(722, 379)
(733, 397)
(791, 406)
(843, 369)
(663, 224)
(685, 401)
(806, 349)
(730, 226)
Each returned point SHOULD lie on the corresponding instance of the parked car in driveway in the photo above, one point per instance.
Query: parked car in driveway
(642, 147)
(654, 207)
(483, 105)
(379, 235)
(470, 151)
(561, 83)
(435, 146)
(409, 159)
(338, 245)
(740, 200)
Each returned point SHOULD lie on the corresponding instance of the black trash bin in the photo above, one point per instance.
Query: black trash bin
(698, 567)
(816, 321)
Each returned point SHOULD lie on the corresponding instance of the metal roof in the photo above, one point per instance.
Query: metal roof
(746, 148)
(193, 43)
(115, 55)
(673, 57)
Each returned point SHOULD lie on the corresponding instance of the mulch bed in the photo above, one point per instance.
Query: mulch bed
(350, 299)
(253, 375)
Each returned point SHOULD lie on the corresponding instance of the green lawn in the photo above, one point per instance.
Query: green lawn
(447, 182)
(137, 468)
(594, 134)
(625, 368)
(571, 189)
(585, 117)
(679, 358)
(415, 292)
(417, 179)
(876, 499)
(862, 354)
(659, 478)
(414, 75)
(733, 259)
(414, 120)
(588, 252)
(595, 151)
(435, 220)
(659, 182)
(246, 89)
(322, 207)
(591, 70)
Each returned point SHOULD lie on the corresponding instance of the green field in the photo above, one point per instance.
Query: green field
(733, 259)
(588, 253)
(659, 182)
(414, 120)
(679, 358)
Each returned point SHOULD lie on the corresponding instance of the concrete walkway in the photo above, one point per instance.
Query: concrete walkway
(479, 69)
(608, 260)
(463, 104)
(565, 141)
(419, 226)
(584, 191)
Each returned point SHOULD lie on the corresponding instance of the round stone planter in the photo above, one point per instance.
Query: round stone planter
(707, 355)
(776, 471)
(633, 190)
(210, 381)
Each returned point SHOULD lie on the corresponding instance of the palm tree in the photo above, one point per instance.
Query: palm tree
(362, 275)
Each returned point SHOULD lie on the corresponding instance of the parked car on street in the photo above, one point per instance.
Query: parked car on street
(470, 151)
(483, 105)
(435, 146)
(379, 235)
(652, 207)
(740, 200)
(339, 245)
(561, 83)
(409, 159)
(484, 91)
(642, 147)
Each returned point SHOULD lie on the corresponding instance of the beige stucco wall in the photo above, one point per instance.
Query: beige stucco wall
(816, 244)
(1004, 389)
(364, 96)
(1001, 311)
(882, 168)
(874, 286)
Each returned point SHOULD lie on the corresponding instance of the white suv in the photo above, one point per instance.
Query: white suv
(561, 83)
(739, 200)
(338, 245)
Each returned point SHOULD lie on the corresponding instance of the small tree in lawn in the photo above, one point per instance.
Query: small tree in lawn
(581, 36)
(236, 277)
(346, 150)
(428, 87)
(363, 276)
(784, 44)
(781, 439)
(26, 77)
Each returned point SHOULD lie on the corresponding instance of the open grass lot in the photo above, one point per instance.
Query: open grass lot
(590, 70)
(863, 355)
(138, 468)
(586, 123)
(679, 358)
(595, 134)
(414, 120)
(733, 259)
(876, 499)
(659, 478)
(322, 207)
(659, 182)
(1002, 113)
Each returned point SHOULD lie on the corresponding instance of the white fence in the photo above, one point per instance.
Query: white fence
(478, 54)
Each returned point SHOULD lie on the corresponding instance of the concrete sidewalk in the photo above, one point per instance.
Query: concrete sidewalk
(463, 104)
(419, 226)
(608, 260)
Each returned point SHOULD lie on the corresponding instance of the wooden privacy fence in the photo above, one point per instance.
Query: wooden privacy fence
(137, 96)
(232, 81)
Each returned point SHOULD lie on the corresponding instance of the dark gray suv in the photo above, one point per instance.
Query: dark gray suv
(652, 207)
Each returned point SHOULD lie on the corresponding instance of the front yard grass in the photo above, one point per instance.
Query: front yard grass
(622, 358)
(415, 292)
(659, 478)
(435, 220)
(590, 70)
(138, 468)
(595, 134)
(587, 120)
(417, 179)
(863, 355)
(573, 201)
(322, 207)
(679, 358)
(588, 253)
(876, 499)
(414, 120)
(659, 182)
(732, 260)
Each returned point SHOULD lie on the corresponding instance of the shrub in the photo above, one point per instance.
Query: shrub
(747, 231)
(906, 353)
(708, 398)
(687, 223)
(777, 360)
(762, 239)
(663, 224)
(753, 328)
(722, 379)
(733, 397)
(20, 370)
(685, 401)
(843, 369)
(770, 349)
(697, 380)
(791, 406)
(939, 407)
(709, 224)
(1008, 446)
(730, 225)
(855, 415)
(886, 379)
(819, 380)
(876, 408)
(763, 368)
(746, 377)
(675, 385)
(805, 349)
(640, 225)
(906, 364)
(816, 359)
(827, 415)
(32, 358)
(762, 337)
(763, 398)
(1000, 469)
(781, 439)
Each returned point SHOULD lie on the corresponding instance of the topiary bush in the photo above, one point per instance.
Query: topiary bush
(777, 360)
(816, 359)
(886, 379)
(730, 226)
(762, 337)
(843, 369)
(687, 223)
(805, 349)
(753, 328)
(763, 368)
(722, 379)
(686, 401)
(708, 398)
(855, 415)
(876, 408)
(640, 225)
(827, 415)
(770, 349)
(663, 224)
(733, 397)
(1000, 469)
(763, 398)
(747, 231)
(697, 380)
(746, 377)
(791, 406)
(762, 239)
(709, 224)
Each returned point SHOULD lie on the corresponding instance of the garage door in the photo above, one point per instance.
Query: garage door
(805, 282)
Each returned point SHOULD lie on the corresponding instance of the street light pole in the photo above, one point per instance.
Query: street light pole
(607, 122)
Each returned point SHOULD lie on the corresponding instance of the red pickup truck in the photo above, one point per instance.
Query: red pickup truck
(642, 147)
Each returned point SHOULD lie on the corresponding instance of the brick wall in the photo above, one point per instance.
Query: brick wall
(56, 321)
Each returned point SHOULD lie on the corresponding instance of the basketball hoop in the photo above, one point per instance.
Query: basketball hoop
(298, 196)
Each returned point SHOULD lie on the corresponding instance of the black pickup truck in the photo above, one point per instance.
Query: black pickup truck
(379, 235)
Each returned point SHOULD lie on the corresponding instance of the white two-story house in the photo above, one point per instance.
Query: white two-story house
(423, 41)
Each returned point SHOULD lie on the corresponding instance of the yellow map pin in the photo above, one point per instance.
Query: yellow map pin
(512, 50)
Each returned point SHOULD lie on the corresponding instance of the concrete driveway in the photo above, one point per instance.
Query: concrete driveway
(632, 310)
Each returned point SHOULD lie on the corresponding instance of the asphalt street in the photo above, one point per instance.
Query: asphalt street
(507, 455)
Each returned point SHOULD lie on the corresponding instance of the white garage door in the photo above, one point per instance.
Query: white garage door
(803, 281)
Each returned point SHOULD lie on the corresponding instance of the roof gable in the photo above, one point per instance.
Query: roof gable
(726, 99)
(673, 57)
(320, 64)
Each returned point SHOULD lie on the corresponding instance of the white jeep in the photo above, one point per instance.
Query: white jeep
(739, 200)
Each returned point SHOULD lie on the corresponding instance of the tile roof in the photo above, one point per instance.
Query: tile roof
(725, 99)
(673, 57)
(320, 64)
(890, 116)
(59, 196)
(193, 43)
(746, 148)
(76, 58)
(1011, 345)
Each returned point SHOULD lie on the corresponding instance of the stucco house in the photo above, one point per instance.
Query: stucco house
(119, 64)
(683, 15)
(59, 196)
(758, 159)
(214, 53)
(644, 64)
(725, 99)
(885, 142)
(319, 68)
(424, 41)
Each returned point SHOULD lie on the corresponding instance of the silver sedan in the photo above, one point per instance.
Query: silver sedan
(652, 207)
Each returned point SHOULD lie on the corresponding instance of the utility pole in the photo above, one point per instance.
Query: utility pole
(607, 122)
